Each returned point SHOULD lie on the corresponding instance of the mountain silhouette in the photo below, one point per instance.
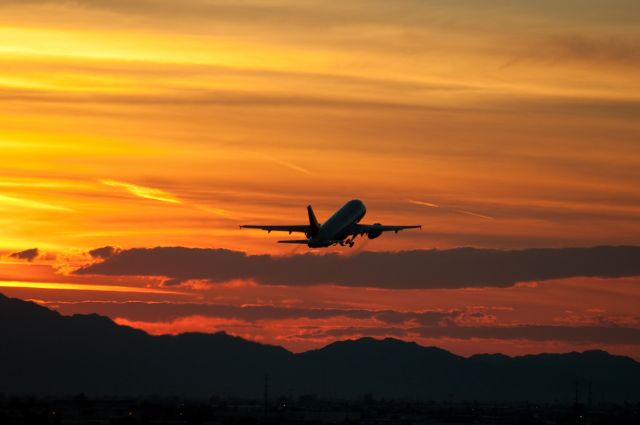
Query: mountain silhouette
(45, 353)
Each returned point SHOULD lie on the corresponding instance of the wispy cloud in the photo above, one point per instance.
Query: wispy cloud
(164, 196)
(39, 183)
(143, 192)
(212, 210)
(15, 201)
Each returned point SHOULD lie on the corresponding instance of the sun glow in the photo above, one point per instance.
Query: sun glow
(83, 287)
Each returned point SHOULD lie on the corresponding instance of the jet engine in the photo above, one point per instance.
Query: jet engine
(374, 234)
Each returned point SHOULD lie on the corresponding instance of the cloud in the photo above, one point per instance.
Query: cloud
(463, 324)
(225, 98)
(596, 317)
(166, 311)
(28, 254)
(549, 105)
(603, 49)
(143, 192)
(419, 269)
(141, 311)
(104, 252)
(350, 332)
(575, 334)
(610, 335)
(14, 201)
(425, 318)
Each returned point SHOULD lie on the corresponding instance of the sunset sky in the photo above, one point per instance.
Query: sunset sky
(499, 124)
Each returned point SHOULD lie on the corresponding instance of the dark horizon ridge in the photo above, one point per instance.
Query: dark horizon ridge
(52, 354)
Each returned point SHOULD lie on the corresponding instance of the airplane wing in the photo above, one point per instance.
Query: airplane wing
(379, 228)
(299, 241)
(302, 228)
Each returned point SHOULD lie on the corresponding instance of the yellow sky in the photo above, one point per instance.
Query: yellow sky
(142, 123)
(495, 123)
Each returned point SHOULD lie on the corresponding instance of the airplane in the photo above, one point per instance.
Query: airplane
(341, 228)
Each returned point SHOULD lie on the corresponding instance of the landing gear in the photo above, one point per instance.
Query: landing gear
(351, 241)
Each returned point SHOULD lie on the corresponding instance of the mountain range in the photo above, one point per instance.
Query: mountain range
(45, 353)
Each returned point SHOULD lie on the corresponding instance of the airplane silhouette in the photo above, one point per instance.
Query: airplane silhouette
(341, 228)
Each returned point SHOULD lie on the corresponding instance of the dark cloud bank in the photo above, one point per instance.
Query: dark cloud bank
(420, 269)
(610, 335)
(28, 254)
(169, 311)
(104, 252)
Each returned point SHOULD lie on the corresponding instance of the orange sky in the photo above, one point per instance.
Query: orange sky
(161, 123)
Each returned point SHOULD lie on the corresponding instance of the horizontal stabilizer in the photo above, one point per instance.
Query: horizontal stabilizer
(304, 241)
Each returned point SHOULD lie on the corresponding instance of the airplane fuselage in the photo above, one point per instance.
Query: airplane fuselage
(339, 225)
(341, 228)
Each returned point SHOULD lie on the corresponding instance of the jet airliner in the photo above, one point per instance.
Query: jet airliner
(341, 228)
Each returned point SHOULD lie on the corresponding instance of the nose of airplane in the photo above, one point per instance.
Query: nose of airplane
(357, 202)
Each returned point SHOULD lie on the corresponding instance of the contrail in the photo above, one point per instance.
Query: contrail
(289, 165)
(473, 214)
(458, 210)
(425, 204)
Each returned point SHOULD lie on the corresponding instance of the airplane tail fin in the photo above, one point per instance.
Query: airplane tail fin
(313, 221)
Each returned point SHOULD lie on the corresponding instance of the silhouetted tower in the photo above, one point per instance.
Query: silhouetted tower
(266, 395)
